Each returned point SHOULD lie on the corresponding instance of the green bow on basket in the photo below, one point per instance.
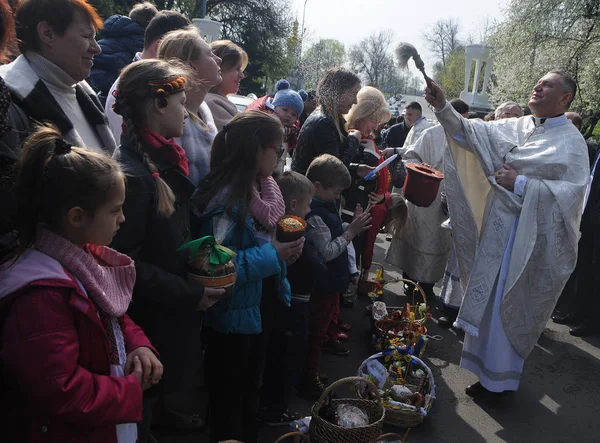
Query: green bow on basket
(219, 255)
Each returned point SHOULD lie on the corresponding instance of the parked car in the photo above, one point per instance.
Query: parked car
(240, 101)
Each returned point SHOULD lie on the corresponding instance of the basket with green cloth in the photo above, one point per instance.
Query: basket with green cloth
(211, 264)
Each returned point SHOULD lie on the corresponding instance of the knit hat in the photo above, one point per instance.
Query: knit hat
(287, 97)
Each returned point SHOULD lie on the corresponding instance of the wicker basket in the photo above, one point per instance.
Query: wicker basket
(416, 288)
(406, 415)
(322, 431)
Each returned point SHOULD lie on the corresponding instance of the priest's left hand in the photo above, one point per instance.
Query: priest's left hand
(506, 177)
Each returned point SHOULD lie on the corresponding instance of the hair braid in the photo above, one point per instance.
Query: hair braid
(165, 198)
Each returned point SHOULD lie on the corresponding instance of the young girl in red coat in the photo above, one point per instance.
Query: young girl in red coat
(73, 363)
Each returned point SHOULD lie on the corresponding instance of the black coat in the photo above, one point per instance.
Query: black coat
(590, 221)
(319, 136)
(396, 135)
(10, 149)
(164, 303)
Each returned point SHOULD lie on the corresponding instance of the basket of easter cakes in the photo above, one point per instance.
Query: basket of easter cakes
(404, 383)
(211, 264)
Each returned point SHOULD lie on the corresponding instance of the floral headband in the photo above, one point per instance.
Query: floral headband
(161, 89)
(165, 87)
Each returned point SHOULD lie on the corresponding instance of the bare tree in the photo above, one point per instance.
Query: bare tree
(371, 55)
(319, 57)
(483, 32)
(443, 39)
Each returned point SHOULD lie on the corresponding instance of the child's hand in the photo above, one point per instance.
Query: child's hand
(359, 224)
(138, 372)
(211, 296)
(147, 368)
(286, 251)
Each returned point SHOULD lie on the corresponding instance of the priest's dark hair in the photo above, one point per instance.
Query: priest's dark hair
(414, 105)
(568, 83)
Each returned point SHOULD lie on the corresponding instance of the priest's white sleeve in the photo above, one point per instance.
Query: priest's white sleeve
(452, 124)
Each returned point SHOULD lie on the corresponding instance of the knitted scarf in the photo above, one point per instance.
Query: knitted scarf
(106, 275)
(164, 150)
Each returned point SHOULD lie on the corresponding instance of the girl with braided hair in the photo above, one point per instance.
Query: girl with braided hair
(199, 131)
(151, 99)
(73, 363)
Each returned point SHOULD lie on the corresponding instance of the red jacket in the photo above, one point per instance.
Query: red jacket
(56, 367)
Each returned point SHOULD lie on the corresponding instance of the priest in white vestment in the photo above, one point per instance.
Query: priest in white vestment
(515, 191)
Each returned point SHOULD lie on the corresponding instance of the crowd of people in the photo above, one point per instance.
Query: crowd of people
(116, 153)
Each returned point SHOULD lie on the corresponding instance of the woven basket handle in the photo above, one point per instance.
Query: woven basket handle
(416, 286)
(293, 434)
(379, 265)
(343, 381)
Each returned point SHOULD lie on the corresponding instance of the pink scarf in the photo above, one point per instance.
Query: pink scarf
(267, 207)
(106, 275)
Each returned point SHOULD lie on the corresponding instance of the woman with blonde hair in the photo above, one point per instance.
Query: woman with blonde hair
(370, 111)
(234, 62)
(188, 46)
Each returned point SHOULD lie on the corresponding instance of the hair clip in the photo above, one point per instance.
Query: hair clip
(62, 147)
(115, 93)
(155, 174)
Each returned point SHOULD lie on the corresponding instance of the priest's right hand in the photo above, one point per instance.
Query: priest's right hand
(435, 96)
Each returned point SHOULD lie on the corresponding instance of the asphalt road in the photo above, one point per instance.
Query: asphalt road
(558, 401)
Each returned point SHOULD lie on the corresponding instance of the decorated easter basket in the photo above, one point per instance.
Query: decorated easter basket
(211, 264)
(422, 184)
(323, 431)
(420, 317)
(393, 334)
(412, 410)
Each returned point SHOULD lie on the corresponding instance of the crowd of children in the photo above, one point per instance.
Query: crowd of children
(98, 290)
